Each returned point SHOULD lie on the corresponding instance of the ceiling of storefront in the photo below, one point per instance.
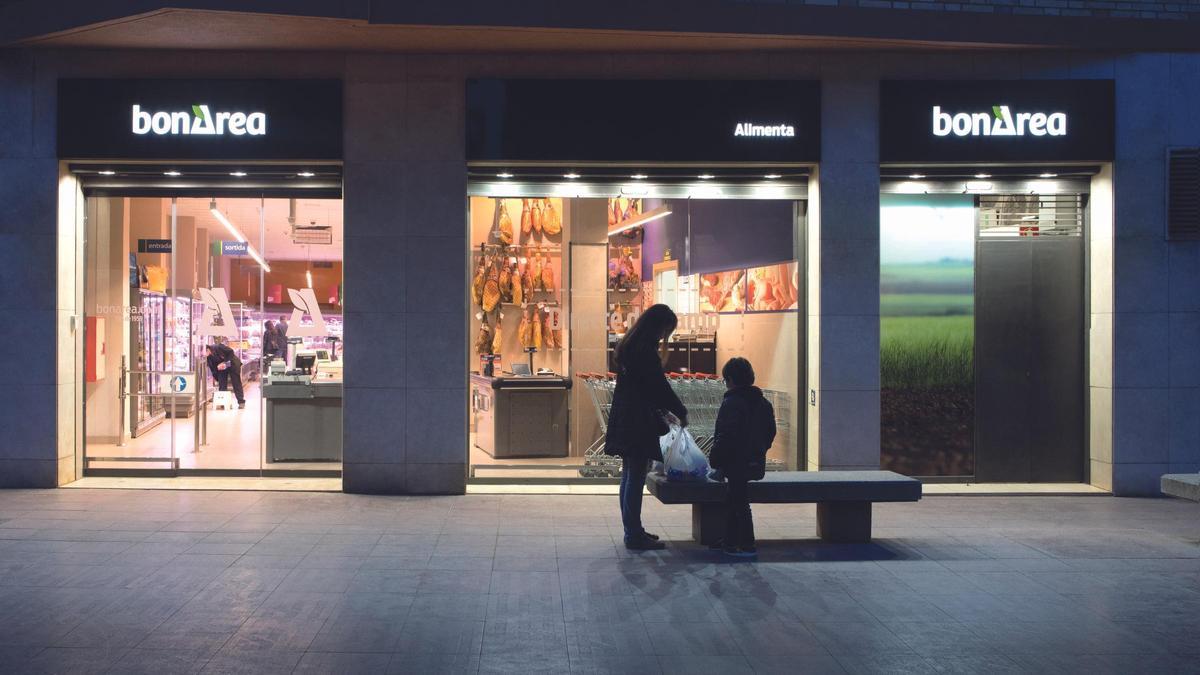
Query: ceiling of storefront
(279, 245)
(474, 26)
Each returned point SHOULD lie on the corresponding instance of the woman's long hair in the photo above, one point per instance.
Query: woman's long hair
(653, 326)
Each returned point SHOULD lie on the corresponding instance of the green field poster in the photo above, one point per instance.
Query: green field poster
(927, 334)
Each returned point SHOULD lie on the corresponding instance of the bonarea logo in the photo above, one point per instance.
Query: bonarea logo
(764, 130)
(1001, 122)
(199, 122)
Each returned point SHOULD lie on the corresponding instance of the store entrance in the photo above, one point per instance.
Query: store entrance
(559, 272)
(213, 322)
(982, 303)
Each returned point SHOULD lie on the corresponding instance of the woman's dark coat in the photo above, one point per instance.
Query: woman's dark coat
(635, 422)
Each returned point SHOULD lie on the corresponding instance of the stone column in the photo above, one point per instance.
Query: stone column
(843, 272)
(30, 392)
(405, 276)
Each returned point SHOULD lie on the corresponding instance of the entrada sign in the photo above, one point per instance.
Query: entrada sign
(198, 122)
(996, 121)
(181, 120)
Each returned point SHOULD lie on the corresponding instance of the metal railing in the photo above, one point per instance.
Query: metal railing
(198, 396)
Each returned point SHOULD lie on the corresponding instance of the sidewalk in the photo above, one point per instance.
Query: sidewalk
(249, 582)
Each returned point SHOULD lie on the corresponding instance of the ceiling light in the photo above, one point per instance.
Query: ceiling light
(706, 176)
(172, 173)
(212, 208)
(978, 186)
(772, 176)
(106, 172)
(916, 176)
(983, 175)
(1047, 175)
(639, 176)
(237, 234)
(649, 216)
(237, 174)
(571, 176)
(504, 175)
(308, 276)
(306, 174)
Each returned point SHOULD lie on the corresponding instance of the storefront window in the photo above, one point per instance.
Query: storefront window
(215, 335)
(557, 281)
(927, 334)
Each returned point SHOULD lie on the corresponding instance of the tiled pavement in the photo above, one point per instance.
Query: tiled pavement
(162, 582)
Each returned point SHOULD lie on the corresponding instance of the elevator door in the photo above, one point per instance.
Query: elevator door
(1029, 351)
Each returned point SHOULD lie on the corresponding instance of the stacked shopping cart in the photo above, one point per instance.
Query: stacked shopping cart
(700, 393)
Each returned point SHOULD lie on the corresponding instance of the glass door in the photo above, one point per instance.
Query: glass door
(131, 396)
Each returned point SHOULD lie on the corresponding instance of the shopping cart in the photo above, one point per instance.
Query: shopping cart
(700, 393)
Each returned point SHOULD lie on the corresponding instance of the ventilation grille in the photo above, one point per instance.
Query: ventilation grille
(1183, 193)
(317, 235)
(1017, 216)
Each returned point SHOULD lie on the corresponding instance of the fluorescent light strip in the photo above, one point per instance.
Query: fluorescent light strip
(308, 276)
(638, 222)
(237, 234)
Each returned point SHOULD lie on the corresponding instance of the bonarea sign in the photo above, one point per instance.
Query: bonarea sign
(985, 121)
(206, 120)
(199, 121)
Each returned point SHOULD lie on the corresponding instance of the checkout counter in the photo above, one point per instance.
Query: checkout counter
(520, 415)
(304, 409)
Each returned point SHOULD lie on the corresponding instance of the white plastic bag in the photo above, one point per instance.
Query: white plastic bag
(682, 458)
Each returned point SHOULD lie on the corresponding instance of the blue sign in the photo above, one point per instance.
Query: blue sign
(235, 248)
(178, 384)
(154, 245)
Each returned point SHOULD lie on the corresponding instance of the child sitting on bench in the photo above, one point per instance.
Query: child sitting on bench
(745, 431)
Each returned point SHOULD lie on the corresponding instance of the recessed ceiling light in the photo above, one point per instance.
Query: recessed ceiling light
(504, 175)
(639, 176)
(571, 176)
(239, 174)
(916, 176)
(983, 175)
(772, 176)
(1047, 175)
(306, 174)
(172, 173)
(706, 176)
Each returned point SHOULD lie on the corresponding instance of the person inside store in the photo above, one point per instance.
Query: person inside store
(272, 342)
(744, 433)
(643, 406)
(282, 327)
(226, 368)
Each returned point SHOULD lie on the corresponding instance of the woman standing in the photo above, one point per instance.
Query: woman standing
(642, 403)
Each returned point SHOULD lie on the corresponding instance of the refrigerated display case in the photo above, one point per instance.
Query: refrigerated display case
(184, 347)
(148, 345)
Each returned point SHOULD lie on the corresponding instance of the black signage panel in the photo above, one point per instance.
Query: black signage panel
(154, 245)
(644, 120)
(200, 119)
(996, 121)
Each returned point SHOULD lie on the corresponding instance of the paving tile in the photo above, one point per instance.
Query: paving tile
(75, 660)
(440, 636)
(696, 664)
(159, 661)
(319, 663)
(858, 638)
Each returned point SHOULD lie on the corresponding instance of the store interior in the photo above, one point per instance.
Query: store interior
(167, 277)
(557, 280)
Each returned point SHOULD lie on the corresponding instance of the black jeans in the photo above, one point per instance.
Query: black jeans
(633, 481)
(232, 376)
(739, 525)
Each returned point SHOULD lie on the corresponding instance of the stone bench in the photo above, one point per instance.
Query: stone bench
(843, 499)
